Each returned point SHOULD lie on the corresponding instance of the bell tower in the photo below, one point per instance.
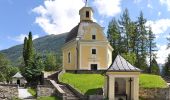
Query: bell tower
(86, 13)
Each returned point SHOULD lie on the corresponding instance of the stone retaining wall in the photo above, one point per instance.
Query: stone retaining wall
(155, 94)
(8, 91)
(43, 90)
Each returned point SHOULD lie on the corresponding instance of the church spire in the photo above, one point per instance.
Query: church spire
(86, 3)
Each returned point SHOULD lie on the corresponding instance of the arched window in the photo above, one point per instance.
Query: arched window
(87, 14)
(69, 57)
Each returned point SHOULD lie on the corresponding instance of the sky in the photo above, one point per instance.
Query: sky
(45, 17)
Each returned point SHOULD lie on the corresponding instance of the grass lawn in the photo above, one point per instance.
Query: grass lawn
(151, 81)
(88, 83)
(32, 91)
(85, 83)
(48, 98)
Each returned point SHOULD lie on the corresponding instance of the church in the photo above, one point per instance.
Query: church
(87, 49)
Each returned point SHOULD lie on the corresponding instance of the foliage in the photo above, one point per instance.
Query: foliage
(151, 81)
(33, 62)
(7, 70)
(48, 98)
(129, 37)
(130, 57)
(50, 62)
(85, 83)
(155, 67)
(32, 91)
(166, 69)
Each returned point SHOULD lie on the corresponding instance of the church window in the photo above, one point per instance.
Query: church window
(93, 51)
(93, 37)
(93, 66)
(87, 14)
(69, 57)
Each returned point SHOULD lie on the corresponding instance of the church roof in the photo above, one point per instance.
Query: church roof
(120, 64)
(72, 34)
(17, 75)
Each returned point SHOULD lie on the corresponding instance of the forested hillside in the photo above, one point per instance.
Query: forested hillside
(52, 43)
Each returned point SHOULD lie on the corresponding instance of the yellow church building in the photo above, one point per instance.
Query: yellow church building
(86, 47)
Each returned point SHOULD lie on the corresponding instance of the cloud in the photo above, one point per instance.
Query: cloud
(162, 53)
(166, 2)
(137, 1)
(159, 13)
(58, 16)
(21, 37)
(159, 26)
(149, 6)
(107, 8)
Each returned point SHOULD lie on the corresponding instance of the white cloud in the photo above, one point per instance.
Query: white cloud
(149, 6)
(159, 13)
(166, 2)
(159, 26)
(58, 16)
(162, 53)
(21, 37)
(107, 7)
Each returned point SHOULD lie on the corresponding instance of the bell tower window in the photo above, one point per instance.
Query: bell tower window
(87, 14)
(93, 37)
(93, 51)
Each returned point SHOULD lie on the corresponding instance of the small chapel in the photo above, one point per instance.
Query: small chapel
(86, 48)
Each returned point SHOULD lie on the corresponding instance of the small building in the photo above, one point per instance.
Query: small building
(18, 79)
(122, 81)
(86, 47)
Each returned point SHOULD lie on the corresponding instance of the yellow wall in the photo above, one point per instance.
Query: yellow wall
(72, 64)
(87, 58)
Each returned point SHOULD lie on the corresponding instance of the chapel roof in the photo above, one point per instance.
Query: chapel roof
(120, 64)
(72, 34)
(17, 75)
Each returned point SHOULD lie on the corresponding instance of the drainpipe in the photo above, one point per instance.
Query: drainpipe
(77, 50)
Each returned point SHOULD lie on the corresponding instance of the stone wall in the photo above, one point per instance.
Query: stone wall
(155, 94)
(43, 90)
(8, 91)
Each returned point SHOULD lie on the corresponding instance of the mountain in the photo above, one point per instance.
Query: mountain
(43, 44)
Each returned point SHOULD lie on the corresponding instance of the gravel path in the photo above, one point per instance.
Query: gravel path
(24, 94)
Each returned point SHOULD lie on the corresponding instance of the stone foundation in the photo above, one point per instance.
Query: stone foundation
(8, 91)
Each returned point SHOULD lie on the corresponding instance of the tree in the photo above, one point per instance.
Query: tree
(166, 69)
(50, 62)
(151, 46)
(33, 63)
(7, 70)
(114, 37)
(155, 67)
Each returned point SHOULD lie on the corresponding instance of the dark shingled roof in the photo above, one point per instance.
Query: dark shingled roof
(72, 34)
(120, 64)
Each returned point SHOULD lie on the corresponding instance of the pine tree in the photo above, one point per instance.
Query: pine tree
(25, 51)
(166, 69)
(155, 67)
(151, 46)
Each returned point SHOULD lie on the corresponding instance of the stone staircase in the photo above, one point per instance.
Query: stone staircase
(69, 94)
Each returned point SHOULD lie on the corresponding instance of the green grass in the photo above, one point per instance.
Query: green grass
(32, 91)
(89, 83)
(151, 81)
(48, 98)
(85, 83)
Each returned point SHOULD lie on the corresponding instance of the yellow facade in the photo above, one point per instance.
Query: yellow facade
(81, 42)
